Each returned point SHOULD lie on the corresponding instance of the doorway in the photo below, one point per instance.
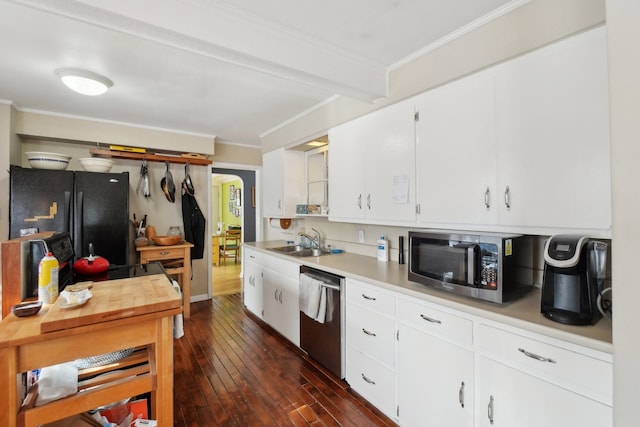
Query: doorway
(233, 210)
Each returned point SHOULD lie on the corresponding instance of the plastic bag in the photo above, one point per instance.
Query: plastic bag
(56, 382)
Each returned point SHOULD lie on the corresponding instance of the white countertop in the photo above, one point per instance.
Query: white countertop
(523, 312)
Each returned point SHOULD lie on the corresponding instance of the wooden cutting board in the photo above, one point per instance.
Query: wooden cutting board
(115, 299)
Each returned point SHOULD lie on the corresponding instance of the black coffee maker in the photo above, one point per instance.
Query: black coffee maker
(574, 273)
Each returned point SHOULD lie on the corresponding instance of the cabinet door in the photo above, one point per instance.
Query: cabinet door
(552, 122)
(508, 397)
(346, 172)
(435, 381)
(456, 153)
(252, 283)
(372, 166)
(273, 183)
(281, 305)
(282, 182)
(390, 164)
(280, 293)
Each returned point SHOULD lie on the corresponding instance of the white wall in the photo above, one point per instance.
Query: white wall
(624, 88)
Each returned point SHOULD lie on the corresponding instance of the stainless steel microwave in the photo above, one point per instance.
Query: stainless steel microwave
(490, 267)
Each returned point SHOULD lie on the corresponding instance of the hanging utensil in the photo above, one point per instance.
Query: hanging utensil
(143, 184)
(187, 183)
(167, 185)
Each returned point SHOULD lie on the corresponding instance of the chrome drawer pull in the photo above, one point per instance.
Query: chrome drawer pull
(535, 356)
(461, 394)
(487, 199)
(430, 319)
(364, 377)
(371, 334)
(490, 410)
(368, 297)
(164, 252)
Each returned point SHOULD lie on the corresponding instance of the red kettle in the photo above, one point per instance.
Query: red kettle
(92, 264)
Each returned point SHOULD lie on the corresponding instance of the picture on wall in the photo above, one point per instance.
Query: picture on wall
(232, 192)
(231, 207)
(238, 197)
(237, 212)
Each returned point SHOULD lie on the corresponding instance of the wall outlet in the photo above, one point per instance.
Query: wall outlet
(361, 236)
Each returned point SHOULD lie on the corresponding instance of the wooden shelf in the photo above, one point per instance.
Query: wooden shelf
(149, 157)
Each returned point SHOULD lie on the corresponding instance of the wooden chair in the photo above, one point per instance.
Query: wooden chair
(230, 245)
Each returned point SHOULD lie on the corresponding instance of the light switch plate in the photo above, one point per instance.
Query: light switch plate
(361, 236)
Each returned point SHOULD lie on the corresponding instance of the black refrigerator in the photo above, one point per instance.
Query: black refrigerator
(93, 207)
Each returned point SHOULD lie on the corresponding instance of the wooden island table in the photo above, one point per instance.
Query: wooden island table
(134, 312)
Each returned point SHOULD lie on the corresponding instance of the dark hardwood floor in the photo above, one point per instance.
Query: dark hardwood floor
(233, 370)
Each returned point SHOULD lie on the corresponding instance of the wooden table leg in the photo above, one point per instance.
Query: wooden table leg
(186, 283)
(10, 405)
(161, 359)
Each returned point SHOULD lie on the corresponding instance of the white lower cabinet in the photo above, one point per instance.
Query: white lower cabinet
(435, 371)
(252, 280)
(370, 338)
(509, 397)
(452, 368)
(525, 379)
(280, 295)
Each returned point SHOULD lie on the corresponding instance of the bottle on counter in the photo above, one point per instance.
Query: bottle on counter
(383, 249)
(48, 279)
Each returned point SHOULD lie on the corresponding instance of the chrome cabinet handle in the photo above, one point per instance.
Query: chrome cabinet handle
(487, 198)
(279, 204)
(507, 198)
(280, 297)
(164, 252)
(490, 410)
(371, 334)
(430, 319)
(359, 201)
(536, 356)
(275, 294)
(369, 201)
(364, 377)
(461, 394)
(368, 297)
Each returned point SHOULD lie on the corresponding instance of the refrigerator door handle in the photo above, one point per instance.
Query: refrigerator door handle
(79, 221)
(67, 213)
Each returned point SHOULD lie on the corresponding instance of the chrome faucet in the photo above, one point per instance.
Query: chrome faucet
(317, 241)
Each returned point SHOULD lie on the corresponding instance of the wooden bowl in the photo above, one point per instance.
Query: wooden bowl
(166, 240)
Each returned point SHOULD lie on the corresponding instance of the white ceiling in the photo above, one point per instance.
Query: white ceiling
(234, 69)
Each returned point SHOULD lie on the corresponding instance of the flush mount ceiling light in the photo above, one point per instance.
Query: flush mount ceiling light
(83, 81)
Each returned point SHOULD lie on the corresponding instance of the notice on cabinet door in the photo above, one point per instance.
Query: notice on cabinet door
(401, 189)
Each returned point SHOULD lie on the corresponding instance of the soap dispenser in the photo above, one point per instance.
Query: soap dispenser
(383, 249)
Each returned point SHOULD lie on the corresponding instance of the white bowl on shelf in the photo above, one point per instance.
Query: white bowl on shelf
(96, 164)
(44, 160)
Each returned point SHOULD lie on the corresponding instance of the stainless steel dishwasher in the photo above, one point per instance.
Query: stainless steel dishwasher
(324, 342)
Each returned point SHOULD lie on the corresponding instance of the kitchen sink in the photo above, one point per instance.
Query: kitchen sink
(299, 251)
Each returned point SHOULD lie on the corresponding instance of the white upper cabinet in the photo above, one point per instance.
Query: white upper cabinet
(282, 183)
(456, 153)
(520, 147)
(372, 167)
(552, 132)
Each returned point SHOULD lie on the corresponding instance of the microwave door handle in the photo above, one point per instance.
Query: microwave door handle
(471, 264)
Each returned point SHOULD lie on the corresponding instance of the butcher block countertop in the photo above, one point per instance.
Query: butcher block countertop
(523, 312)
(112, 300)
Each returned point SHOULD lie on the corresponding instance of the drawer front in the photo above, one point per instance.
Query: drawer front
(568, 368)
(370, 296)
(285, 267)
(372, 381)
(162, 254)
(424, 317)
(372, 333)
(251, 255)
